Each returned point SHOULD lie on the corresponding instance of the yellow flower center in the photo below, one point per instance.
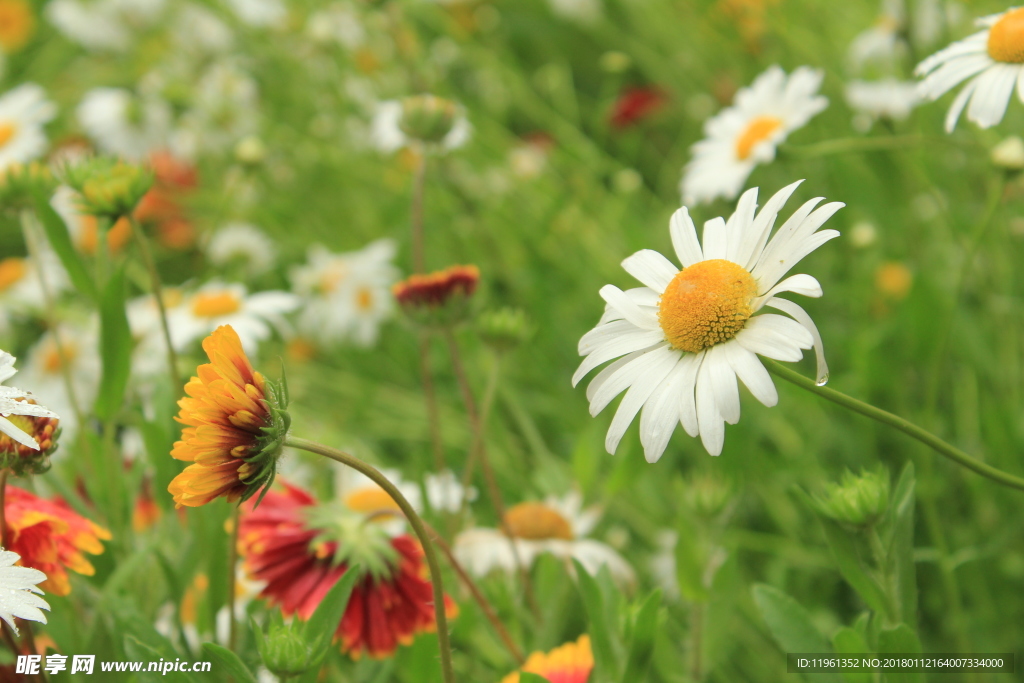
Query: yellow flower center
(11, 271)
(758, 130)
(215, 304)
(364, 299)
(370, 499)
(330, 280)
(7, 131)
(55, 357)
(706, 304)
(16, 24)
(537, 522)
(1006, 38)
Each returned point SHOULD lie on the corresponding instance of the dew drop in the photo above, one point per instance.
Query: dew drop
(821, 381)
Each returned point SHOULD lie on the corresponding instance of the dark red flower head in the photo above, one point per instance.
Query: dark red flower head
(636, 104)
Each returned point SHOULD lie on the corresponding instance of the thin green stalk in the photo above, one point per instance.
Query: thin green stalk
(419, 528)
(158, 294)
(490, 392)
(896, 422)
(232, 580)
(868, 144)
(416, 213)
(430, 395)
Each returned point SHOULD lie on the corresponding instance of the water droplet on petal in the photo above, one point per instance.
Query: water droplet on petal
(821, 381)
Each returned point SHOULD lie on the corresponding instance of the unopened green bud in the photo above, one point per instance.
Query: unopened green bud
(19, 183)
(428, 118)
(503, 329)
(857, 500)
(108, 187)
(707, 495)
(286, 649)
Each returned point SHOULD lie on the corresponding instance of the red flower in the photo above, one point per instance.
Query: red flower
(298, 564)
(636, 104)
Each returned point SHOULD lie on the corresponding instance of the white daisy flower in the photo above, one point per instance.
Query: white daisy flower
(253, 316)
(558, 526)
(338, 23)
(12, 402)
(197, 29)
(19, 595)
(683, 339)
(347, 296)
(23, 113)
(993, 60)
(123, 124)
(225, 110)
(584, 11)
(883, 42)
(387, 136)
(93, 25)
(149, 357)
(259, 13)
(888, 98)
(445, 492)
(359, 493)
(245, 243)
(747, 133)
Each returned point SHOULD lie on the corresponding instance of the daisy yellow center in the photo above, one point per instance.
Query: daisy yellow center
(215, 304)
(364, 299)
(537, 522)
(757, 131)
(1006, 38)
(7, 131)
(706, 304)
(370, 499)
(330, 280)
(55, 357)
(11, 271)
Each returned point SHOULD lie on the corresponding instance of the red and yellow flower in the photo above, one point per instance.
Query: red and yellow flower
(235, 425)
(441, 297)
(569, 663)
(51, 537)
(302, 548)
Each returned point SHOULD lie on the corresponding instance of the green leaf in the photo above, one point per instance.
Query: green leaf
(606, 664)
(641, 645)
(901, 639)
(139, 651)
(526, 677)
(59, 238)
(902, 545)
(327, 616)
(691, 562)
(229, 662)
(790, 625)
(847, 552)
(115, 348)
(848, 641)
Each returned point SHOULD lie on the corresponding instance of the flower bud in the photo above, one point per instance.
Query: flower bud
(428, 118)
(707, 495)
(20, 182)
(440, 298)
(858, 500)
(1009, 154)
(503, 329)
(24, 460)
(107, 187)
(285, 648)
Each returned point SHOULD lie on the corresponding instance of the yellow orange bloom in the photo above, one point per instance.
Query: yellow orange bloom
(51, 537)
(17, 23)
(569, 663)
(235, 426)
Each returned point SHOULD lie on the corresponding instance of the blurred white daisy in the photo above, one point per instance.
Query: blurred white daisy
(888, 98)
(123, 124)
(339, 23)
(21, 293)
(346, 296)
(72, 351)
(663, 563)
(259, 13)
(196, 29)
(225, 109)
(13, 402)
(993, 60)
(93, 25)
(23, 113)
(387, 136)
(683, 339)
(149, 357)
(585, 11)
(883, 42)
(445, 492)
(359, 493)
(241, 243)
(253, 316)
(747, 133)
(19, 594)
(558, 526)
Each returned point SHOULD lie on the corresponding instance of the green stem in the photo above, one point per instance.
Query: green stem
(417, 524)
(158, 294)
(870, 144)
(896, 422)
(416, 213)
(430, 395)
(232, 582)
(884, 568)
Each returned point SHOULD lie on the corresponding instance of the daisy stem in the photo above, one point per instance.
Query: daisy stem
(478, 595)
(479, 448)
(869, 144)
(896, 422)
(416, 213)
(485, 411)
(158, 294)
(430, 394)
(696, 641)
(418, 526)
(232, 588)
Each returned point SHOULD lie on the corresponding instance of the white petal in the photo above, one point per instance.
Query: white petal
(958, 105)
(739, 224)
(688, 394)
(661, 411)
(723, 381)
(610, 370)
(603, 333)
(757, 236)
(798, 284)
(630, 311)
(752, 373)
(651, 268)
(716, 244)
(625, 376)
(776, 337)
(8, 428)
(993, 95)
(684, 238)
(637, 340)
(710, 423)
(638, 394)
(800, 315)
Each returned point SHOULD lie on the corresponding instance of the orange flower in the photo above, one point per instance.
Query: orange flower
(51, 537)
(440, 298)
(569, 663)
(146, 512)
(235, 426)
(17, 23)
